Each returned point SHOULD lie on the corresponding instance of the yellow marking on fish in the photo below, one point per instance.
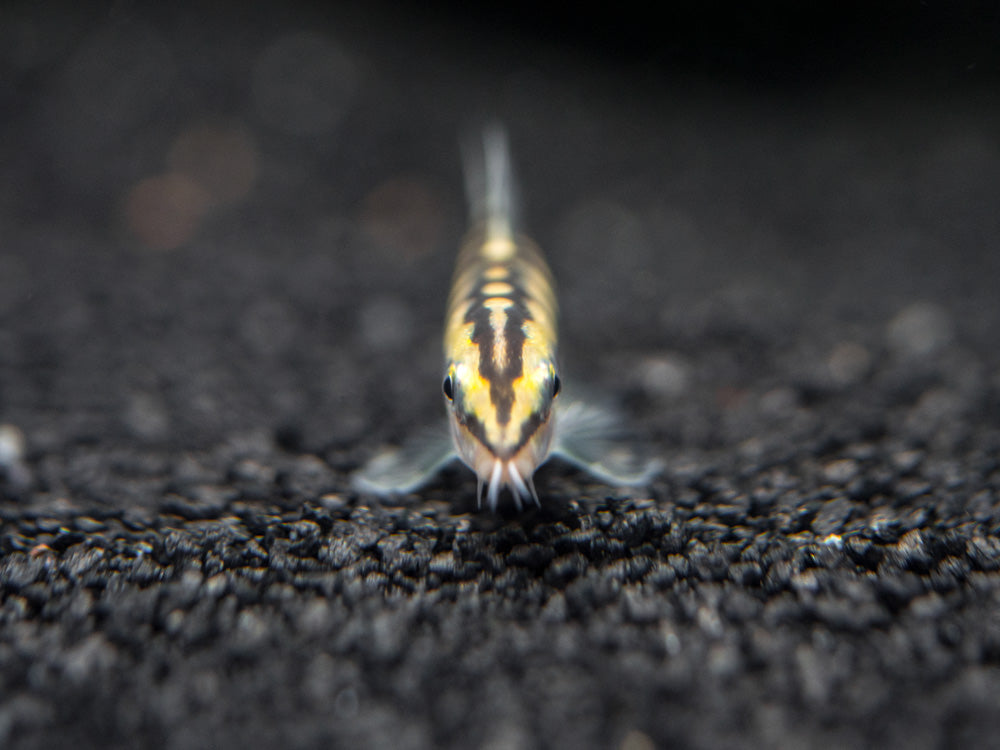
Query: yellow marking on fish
(496, 304)
(497, 289)
(499, 249)
(537, 284)
(458, 336)
(542, 326)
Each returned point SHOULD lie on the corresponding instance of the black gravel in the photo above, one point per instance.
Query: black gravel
(225, 243)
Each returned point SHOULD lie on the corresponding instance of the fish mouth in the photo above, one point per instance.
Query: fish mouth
(502, 467)
(497, 471)
(503, 474)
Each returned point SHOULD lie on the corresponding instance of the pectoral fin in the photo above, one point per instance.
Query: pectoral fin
(589, 437)
(407, 468)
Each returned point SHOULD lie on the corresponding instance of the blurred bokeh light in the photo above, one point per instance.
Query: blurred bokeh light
(209, 165)
(221, 158)
(164, 211)
(404, 215)
(303, 84)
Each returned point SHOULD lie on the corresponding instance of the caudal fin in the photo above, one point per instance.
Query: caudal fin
(489, 181)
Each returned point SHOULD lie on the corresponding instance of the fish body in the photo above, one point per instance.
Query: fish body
(501, 382)
(500, 340)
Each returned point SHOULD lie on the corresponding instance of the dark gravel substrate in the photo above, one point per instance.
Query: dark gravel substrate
(225, 243)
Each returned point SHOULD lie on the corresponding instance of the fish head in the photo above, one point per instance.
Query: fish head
(502, 421)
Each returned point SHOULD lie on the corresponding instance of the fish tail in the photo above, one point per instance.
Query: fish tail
(489, 182)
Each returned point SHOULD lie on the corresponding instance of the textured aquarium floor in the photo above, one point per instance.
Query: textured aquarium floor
(225, 246)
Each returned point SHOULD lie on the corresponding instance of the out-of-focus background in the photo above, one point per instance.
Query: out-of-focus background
(233, 219)
(226, 237)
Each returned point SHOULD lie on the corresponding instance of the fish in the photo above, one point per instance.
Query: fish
(503, 393)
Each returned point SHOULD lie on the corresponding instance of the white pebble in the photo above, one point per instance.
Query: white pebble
(665, 375)
(848, 363)
(11, 445)
(919, 329)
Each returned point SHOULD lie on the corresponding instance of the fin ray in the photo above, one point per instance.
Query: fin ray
(409, 467)
(589, 437)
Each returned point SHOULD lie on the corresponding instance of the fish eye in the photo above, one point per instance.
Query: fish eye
(556, 385)
(448, 388)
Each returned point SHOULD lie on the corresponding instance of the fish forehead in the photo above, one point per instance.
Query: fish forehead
(499, 412)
